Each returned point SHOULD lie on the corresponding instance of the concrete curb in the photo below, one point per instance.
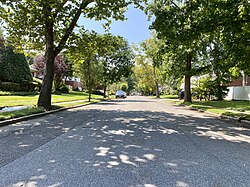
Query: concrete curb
(33, 116)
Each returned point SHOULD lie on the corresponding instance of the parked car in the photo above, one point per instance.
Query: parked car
(181, 94)
(120, 94)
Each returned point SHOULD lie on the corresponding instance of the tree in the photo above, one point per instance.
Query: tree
(175, 24)
(226, 25)
(220, 64)
(172, 24)
(110, 53)
(90, 72)
(49, 24)
(152, 48)
(117, 62)
(124, 87)
(84, 53)
(1, 38)
(231, 19)
(144, 75)
(59, 66)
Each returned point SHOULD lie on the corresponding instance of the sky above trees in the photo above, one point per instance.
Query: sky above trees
(135, 29)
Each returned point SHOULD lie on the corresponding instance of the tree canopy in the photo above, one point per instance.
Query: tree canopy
(106, 54)
(212, 36)
(49, 24)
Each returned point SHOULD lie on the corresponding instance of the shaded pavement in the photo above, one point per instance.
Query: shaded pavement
(136, 142)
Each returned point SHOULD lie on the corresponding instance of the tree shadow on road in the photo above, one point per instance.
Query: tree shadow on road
(138, 148)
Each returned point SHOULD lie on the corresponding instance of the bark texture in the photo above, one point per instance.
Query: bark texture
(187, 95)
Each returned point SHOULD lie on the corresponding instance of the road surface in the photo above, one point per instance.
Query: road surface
(133, 142)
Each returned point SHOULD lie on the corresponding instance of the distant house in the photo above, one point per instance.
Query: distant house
(72, 82)
(35, 73)
(239, 82)
(239, 89)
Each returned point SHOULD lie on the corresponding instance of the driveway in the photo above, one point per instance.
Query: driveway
(133, 142)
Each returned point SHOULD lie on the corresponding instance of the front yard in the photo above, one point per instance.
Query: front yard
(31, 100)
(238, 109)
(58, 101)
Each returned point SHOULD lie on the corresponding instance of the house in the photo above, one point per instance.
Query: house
(239, 82)
(72, 82)
(239, 89)
(35, 73)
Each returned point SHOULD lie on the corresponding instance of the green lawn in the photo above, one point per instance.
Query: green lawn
(238, 109)
(229, 105)
(32, 99)
(64, 100)
(169, 96)
(19, 113)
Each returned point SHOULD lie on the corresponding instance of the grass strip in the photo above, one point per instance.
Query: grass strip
(35, 110)
(169, 96)
(236, 109)
(221, 108)
(20, 113)
(31, 100)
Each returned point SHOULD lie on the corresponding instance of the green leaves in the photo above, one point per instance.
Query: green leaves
(13, 66)
(106, 57)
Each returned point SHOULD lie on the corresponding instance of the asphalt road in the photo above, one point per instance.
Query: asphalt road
(135, 142)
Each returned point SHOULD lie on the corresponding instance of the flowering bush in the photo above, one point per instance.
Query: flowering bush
(60, 69)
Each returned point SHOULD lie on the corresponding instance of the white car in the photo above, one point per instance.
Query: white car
(120, 94)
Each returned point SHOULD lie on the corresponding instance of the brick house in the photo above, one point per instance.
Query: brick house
(239, 82)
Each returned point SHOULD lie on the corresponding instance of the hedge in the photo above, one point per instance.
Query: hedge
(13, 66)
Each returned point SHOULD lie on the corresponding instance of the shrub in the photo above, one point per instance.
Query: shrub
(208, 89)
(6, 93)
(17, 87)
(63, 89)
(111, 92)
(124, 87)
(13, 67)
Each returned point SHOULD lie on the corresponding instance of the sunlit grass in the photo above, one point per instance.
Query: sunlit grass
(229, 105)
(237, 109)
(58, 101)
(20, 113)
(31, 100)
(169, 96)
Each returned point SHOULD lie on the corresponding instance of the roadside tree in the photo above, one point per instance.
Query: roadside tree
(110, 56)
(48, 25)
(152, 49)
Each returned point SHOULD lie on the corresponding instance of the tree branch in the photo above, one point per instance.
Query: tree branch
(69, 30)
(171, 1)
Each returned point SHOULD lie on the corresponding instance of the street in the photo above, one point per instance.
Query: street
(132, 142)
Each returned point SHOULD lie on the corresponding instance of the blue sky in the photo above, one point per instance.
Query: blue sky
(135, 29)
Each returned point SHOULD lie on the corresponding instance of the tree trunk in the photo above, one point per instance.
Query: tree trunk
(156, 84)
(220, 92)
(89, 94)
(89, 80)
(187, 95)
(104, 91)
(46, 90)
(157, 90)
